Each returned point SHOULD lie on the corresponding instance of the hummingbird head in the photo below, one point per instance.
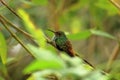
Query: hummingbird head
(58, 33)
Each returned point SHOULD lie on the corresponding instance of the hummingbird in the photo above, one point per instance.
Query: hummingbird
(62, 43)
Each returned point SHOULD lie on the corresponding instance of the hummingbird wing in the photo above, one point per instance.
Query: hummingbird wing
(64, 45)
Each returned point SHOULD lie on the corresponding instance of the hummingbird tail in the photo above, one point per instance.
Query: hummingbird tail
(71, 53)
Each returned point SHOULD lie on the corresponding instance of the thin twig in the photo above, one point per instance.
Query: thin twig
(76, 54)
(4, 3)
(15, 27)
(114, 3)
(113, 57)
(15, 37)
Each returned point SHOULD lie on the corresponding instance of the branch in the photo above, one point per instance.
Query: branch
(16, 27)
(15, 37)
(114, 3)
(113, 57)
(4, 3)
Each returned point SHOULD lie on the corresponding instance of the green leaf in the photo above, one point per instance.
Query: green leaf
(81, 35)
(86, 34)
(76, 25)
(77, 66)
(101, 33)
(3, 48)
(44, 75)
(45, 59)
(41, 53)
(35, 32)
(96, 75)
(107, 5)
(42, 64)
(40, 2)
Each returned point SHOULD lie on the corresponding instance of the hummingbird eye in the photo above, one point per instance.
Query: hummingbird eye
(59, 34)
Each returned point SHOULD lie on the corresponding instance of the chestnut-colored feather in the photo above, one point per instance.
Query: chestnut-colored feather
(62, 43)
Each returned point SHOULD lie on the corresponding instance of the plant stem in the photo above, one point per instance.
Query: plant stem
(15, 37)
(17, 28)
(3, 2)
(115, 3)
(113, 56)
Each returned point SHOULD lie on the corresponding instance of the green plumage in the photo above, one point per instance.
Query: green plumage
(62, 43)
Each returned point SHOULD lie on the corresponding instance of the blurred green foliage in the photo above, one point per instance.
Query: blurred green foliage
(36, 33)
(3, 48)
(92, 27)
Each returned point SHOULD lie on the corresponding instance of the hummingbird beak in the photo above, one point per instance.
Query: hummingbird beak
(51, 30)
